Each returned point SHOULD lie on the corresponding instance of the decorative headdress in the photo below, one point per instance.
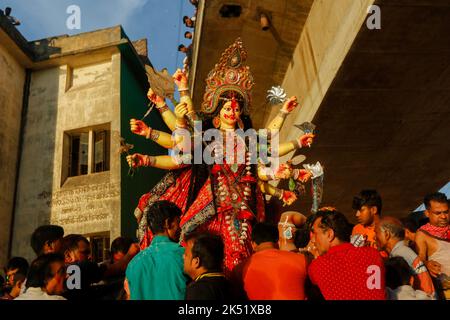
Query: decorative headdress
(229, 74)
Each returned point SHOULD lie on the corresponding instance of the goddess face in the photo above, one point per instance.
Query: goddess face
(230, 113)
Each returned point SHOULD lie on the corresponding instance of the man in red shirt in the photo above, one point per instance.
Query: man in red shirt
(270, 273)
(342, 271)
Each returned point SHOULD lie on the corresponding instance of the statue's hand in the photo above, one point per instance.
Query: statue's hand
(181, 110)
(153, 97)
(290, 105)
(180, 79)
(139, 127)
(136, 160)
(284, 171)
(306, 140)
(304, 175)
(288, 198)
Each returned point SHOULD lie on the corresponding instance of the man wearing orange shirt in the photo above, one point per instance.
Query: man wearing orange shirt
(368, 212)
(272, 274)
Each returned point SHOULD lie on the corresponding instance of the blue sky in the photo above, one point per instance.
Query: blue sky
(445, 189)
(160, 21)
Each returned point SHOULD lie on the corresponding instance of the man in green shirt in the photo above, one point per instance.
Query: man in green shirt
(156, 273)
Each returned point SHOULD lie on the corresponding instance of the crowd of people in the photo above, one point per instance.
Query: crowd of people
(189, 23)
(318, 257)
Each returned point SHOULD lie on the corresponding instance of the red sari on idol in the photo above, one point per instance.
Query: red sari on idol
(223, 207)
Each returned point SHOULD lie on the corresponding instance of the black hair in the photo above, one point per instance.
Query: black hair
(19, 263)
(159, 212)
(45, 234)
(437, 197)
(398, 272)
(264, 232)
(186, 33)
(18, 277)
(70, 242)
(301, 239)
(410, 224)
(302, 236)
(121, 244)
(209, 249)
(181, 46)
(370, 198)
(336, 221)
(40, 271)
(185, 18)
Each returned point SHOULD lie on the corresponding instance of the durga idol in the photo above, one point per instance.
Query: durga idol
(227, 197)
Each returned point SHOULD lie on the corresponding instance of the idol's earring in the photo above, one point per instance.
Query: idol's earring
(240, 124)
(216, 122)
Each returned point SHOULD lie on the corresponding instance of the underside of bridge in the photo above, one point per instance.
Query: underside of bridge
(383, 121)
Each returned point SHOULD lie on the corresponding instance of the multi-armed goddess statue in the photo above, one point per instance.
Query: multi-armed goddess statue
(223, 196)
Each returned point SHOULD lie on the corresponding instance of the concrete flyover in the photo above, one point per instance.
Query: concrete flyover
(384, 122)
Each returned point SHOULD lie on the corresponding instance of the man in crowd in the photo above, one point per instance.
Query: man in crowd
(398, 281)
(343, 271)
(390, 236)
(46, 278)
(112, 287)
(272, 274)
(368, 211)
(433, 241)
(189, 22)
(47, 239)
(203, 259)
(411, 226)
(16, 272)
(194, 3)
(77, 252)
(119, 248)
(188, 35)
(290, 222)
(156, 273)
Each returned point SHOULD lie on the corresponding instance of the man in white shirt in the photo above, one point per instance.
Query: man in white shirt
(46, 278)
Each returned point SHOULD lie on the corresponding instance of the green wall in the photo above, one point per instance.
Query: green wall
(134, 87)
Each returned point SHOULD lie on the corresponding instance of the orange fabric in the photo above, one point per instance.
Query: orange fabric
(369, 235)
(273, 274)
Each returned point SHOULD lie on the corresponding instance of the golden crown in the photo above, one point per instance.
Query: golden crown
(229, 74)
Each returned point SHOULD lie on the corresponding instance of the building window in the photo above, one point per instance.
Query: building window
(101, 148)
(99, 247)
(88, 151)
(79, 154)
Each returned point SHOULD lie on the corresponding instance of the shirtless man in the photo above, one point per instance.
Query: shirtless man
(433, 240)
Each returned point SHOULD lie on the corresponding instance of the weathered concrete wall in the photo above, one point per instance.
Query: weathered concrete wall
(84, 204)
(12, 78)
(46, 48)
(327, 36)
